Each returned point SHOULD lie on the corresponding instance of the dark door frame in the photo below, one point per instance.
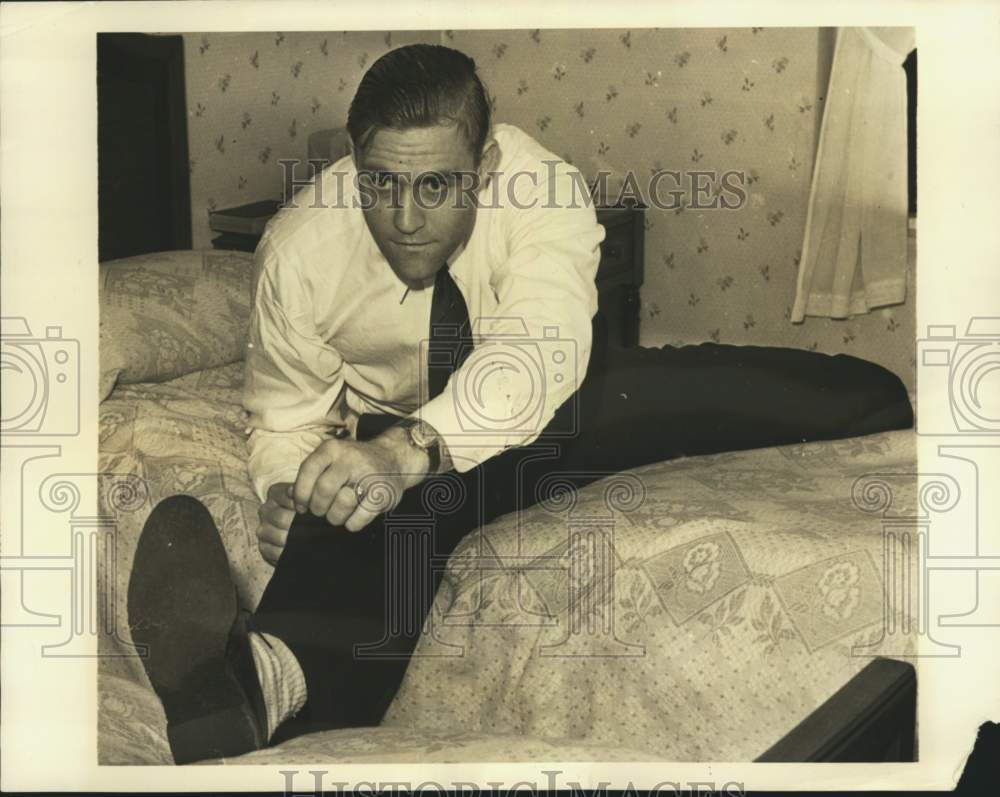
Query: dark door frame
(162, 59)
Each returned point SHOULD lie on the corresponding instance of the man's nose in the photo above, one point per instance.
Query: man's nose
(409, 216)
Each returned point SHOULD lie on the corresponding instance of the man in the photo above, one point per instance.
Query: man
(426, 320)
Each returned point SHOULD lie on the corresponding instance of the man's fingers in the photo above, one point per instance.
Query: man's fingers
(311, 469)
(326, 488)
(360, 518)
(270, 553)
(271, 514)
(380, 498)
(280, 493)
(272, 534)
(325, 484)
(343, 505)
(285, 498)
(276, 516)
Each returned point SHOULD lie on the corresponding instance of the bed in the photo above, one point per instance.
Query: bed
(724, 607)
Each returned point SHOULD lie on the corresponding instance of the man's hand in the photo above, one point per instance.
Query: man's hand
(276, 515)
(352, 483)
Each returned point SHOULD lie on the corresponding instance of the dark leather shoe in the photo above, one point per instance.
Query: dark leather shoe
(182, 607)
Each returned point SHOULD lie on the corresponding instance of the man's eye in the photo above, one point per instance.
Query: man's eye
(433, 184)
(379, 180)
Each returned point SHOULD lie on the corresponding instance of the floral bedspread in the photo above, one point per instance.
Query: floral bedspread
(696, 609)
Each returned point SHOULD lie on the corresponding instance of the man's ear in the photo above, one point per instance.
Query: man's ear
(489, 160)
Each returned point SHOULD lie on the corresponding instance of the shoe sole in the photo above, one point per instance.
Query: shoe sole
(181, 607)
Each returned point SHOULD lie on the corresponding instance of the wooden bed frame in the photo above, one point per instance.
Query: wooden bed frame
(872, 718)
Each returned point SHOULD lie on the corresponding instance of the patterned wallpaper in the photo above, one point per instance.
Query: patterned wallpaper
(254, 98)
(640, 100)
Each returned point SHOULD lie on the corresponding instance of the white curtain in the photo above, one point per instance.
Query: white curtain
(854, 251)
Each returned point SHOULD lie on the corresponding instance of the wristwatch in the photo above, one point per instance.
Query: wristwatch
(425, 437)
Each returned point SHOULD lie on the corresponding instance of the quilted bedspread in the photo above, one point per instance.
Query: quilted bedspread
(695, 609)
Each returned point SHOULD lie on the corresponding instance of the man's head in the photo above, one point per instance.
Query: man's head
(419, 121)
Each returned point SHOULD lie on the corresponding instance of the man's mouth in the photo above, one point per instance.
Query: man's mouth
(413, 244)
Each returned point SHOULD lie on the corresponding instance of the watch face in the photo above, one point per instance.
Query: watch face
(423, 434)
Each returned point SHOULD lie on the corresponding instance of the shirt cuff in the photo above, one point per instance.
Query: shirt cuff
(477, 425)
(466, 450)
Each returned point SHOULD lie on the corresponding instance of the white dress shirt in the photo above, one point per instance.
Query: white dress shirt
(330, 337)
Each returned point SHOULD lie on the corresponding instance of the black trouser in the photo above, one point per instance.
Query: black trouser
(333, 590)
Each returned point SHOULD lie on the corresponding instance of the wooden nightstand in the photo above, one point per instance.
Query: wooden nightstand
(619, 275)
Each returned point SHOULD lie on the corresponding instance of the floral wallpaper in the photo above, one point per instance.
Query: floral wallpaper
(254, 98)
(639, 101)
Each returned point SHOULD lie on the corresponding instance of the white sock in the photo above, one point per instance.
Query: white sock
(281, 679)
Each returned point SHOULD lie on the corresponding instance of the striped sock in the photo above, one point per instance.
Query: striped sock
(281, 679)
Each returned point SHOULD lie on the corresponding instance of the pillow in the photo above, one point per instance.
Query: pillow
(167, 314)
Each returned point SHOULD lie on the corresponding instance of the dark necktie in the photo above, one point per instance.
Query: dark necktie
(450, 333)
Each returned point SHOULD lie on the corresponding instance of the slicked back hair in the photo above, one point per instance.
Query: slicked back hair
(420, 85)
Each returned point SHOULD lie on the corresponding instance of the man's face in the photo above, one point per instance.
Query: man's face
(418, 217)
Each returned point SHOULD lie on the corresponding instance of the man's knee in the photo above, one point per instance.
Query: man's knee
(891, 405)
(882, 400)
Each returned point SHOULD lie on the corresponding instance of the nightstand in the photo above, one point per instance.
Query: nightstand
(236, 240)
(619, 275)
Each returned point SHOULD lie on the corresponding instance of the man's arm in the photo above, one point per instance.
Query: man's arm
(547, 283)
(292, 378)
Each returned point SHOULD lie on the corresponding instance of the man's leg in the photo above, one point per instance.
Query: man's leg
(642, 405)
(351, 606)
(342, 612)
(709, 398)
